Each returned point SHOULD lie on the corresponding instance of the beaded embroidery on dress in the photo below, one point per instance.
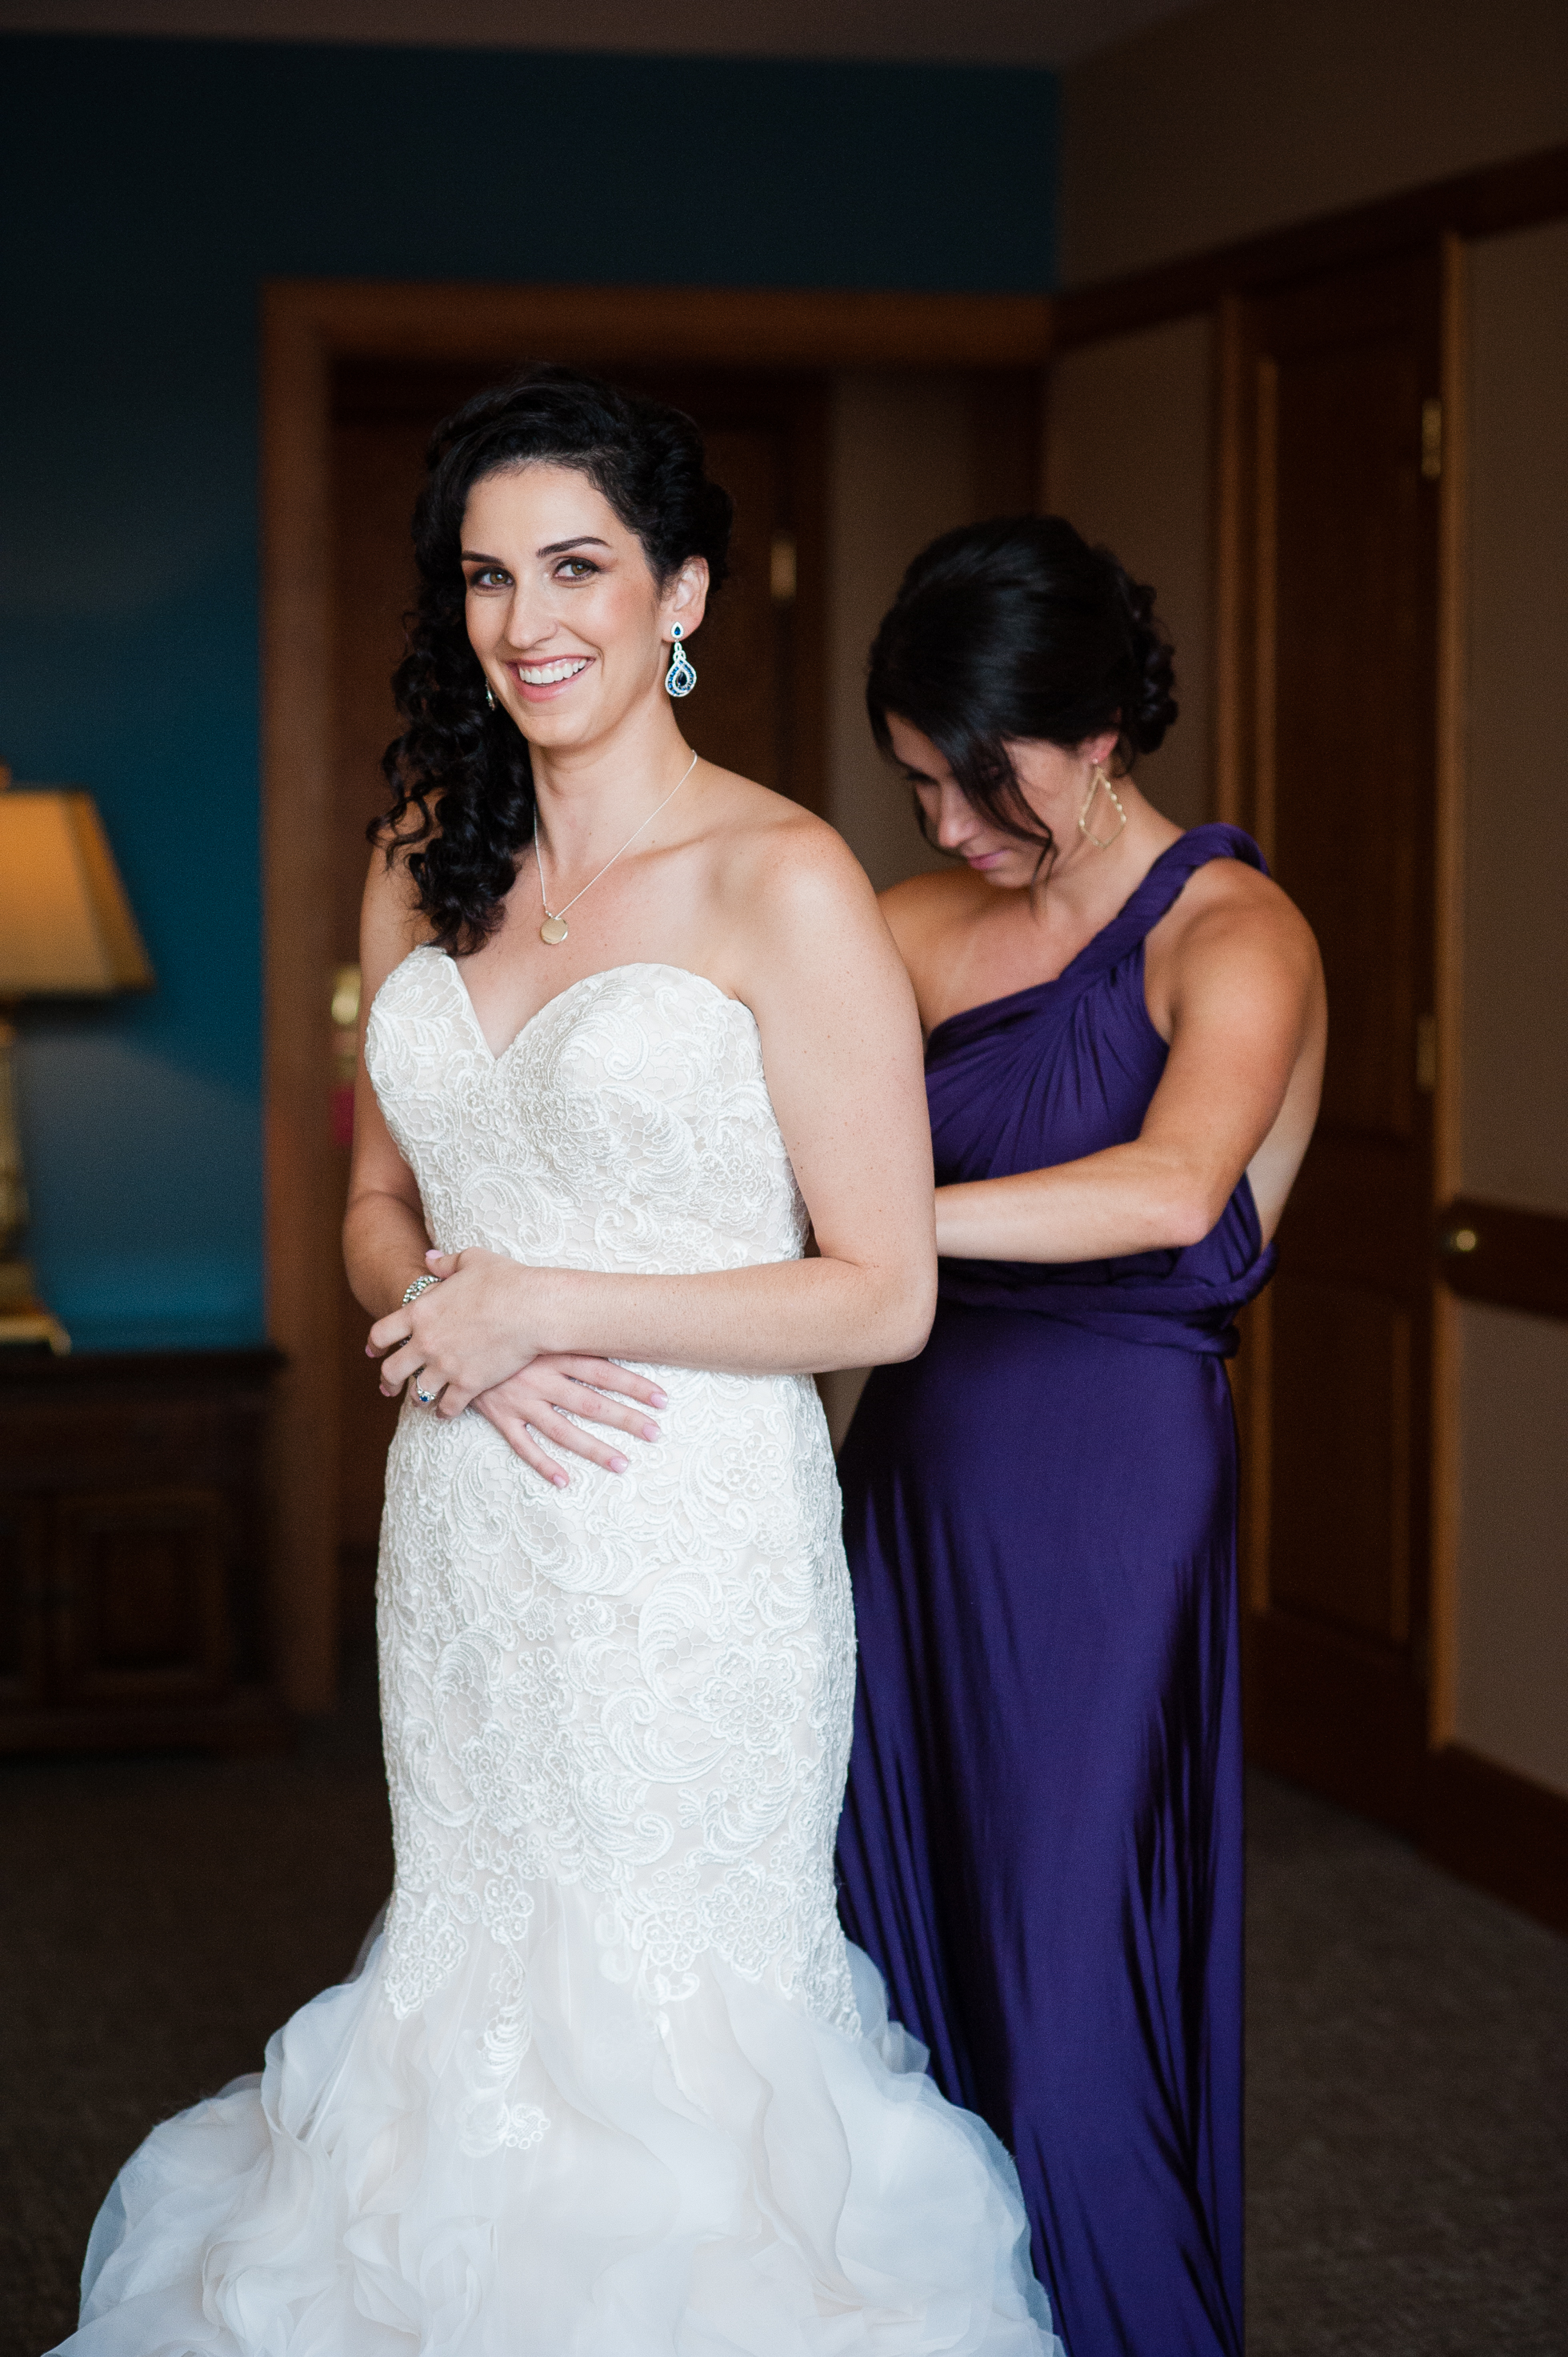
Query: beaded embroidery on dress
(609, 2081)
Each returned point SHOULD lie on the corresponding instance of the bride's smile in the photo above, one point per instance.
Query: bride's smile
(547, 675)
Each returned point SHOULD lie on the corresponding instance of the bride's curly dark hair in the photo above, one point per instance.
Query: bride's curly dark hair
(461, 782)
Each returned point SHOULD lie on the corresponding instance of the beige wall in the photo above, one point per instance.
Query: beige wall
(1510, 1688)
(1514, 1103)
(1129, 461)
(900, 471)
(902, 467)
(1248, 114)
(1511, 1683)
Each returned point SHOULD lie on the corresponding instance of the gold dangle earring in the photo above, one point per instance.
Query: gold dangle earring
(1098, 782)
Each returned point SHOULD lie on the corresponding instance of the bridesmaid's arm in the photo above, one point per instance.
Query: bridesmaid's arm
(806, 950)
(1239, 1090)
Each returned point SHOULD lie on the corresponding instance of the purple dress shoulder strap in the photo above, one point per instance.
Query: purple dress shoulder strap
(1134, 921)
(1063, 1070)
(1163, 884)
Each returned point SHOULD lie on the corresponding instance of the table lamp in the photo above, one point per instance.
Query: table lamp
(66, 931)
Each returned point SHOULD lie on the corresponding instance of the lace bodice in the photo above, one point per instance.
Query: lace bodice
(626, 1126)
(641, 1683)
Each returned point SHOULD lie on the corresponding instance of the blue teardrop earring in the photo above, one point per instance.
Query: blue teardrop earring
(681, 678)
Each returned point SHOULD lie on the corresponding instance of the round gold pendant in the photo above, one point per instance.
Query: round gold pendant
(553, 929)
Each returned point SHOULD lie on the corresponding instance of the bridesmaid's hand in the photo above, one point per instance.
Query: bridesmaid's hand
(464, 1336)
(534, 1404)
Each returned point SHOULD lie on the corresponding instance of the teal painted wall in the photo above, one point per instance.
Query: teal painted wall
(164, 181)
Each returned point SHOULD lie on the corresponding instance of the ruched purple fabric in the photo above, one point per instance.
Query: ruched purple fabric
(1042, 1843)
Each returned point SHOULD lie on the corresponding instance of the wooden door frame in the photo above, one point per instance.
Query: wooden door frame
(1299, 1673)
(1483, 1821)
(307, 326)
(1516, 195)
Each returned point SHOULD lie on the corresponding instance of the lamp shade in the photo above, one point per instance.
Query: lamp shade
(66, 927)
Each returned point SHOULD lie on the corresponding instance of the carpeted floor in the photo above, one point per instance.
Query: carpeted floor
(1408, 2116)
(1407, 2102)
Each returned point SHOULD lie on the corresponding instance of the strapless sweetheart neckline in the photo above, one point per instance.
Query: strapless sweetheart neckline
(602, 974)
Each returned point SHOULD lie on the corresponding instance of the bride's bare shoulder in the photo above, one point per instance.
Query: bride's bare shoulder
(786, 887)
(392, 921)
(755, 832)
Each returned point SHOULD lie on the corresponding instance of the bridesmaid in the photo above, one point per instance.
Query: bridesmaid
(1042, 1844)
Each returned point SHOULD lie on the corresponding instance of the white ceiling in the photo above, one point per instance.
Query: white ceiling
(978, 32)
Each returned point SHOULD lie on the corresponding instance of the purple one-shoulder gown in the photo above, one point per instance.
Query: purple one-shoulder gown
(1042, 1842)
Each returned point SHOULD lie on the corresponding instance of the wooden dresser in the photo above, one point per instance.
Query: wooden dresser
(133, 1551)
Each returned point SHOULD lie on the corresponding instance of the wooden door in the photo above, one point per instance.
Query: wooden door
(758, 708)
(378, 465)
(759, 705)
(1334, 386)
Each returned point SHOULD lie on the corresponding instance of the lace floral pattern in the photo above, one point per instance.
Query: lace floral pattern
(642, 1684)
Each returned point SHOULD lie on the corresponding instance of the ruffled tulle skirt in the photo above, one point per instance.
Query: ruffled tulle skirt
(727, 2178)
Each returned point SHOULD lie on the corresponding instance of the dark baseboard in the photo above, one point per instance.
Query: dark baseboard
(1335, 1713)
(1503, 1832)
(247, 1720)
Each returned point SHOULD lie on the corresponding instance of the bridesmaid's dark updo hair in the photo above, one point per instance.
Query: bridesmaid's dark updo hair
(1018, 631)
(455, 753)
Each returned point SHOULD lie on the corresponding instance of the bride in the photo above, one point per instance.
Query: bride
(609, 2082)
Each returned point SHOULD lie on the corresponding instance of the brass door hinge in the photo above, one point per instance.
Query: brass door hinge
(1431, 440)
(781, 568)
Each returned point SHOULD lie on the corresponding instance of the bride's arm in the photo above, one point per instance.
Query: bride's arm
(841, 1044)
(384, 1235)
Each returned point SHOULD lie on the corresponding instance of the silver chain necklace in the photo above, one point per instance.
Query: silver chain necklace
(553, 929)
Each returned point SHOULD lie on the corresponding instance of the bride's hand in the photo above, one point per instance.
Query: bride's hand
(463, 1336)
(533, 1405)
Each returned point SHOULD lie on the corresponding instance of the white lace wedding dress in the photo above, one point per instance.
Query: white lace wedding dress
(609, 2082)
